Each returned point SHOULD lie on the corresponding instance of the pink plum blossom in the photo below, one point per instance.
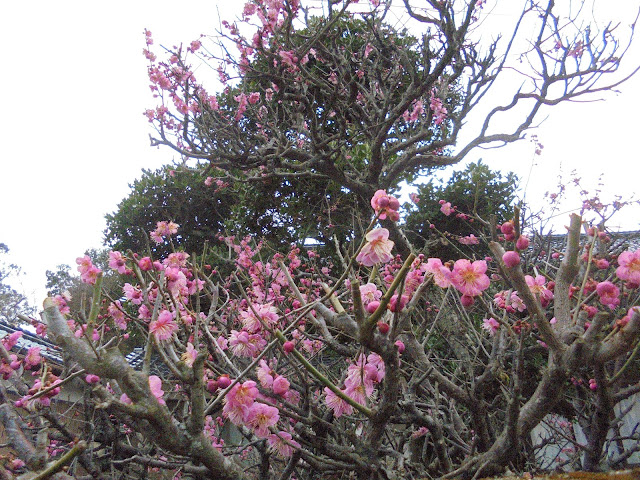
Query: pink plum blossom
(438, 109)
(238, 400)
(446, 208)
(88, 272)
(164, 229)
(470, 278)
(265, 374)
(10, 341)
(117, 314)
(441, 274)
(133, 294)
(491, 325)
(283, 444)
(32, 358)
(337, 404)
(145, 264)
(397, 303)
(369, 293)
(117, 262)
(538, 288)
(522, 243)
(385, 205)
(629, 267)
(280, 385)
(164, 327)
(17, 464)
(377, 249)
(266, 313)
(190, 355)
(469, 240)
(609, 294)
(245, 344)
(61, 302)
(155, 384)
(259, 417)
(509, 301)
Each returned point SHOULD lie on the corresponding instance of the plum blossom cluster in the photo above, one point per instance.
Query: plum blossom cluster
(385, 206)
(164, 230)
(241, 407)
(88, 271)
(469, 278)
(362, 377)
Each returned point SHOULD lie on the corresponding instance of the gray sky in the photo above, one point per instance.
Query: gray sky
(73, 135)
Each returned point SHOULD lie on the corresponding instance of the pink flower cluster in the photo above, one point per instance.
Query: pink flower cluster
(267, 314)
(242, 407)
(118, 263)
(439, 110)
(164, 229)
(88, 272)
(245, 344)
(609, 294)
(39, 385)
(539, 288)
(510, 301)
(362, 376)
(469, 278)
(385, 205)
(414, 114)
(490, 325)
(446, 208)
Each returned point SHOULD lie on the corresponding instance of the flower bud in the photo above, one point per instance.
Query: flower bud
(467, 301)
(224, 381)
(511, 259)
(383, 327)
(522, 243)
(507, 228)
(372, 306)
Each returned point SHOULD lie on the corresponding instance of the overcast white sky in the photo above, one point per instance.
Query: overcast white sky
(73, 136)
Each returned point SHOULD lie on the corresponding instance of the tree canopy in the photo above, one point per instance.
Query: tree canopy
(346, 98)
(449, 217)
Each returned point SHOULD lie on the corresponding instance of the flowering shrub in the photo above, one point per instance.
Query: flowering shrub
(260, 351)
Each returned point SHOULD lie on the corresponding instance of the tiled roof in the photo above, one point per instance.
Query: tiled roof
(53, 354)
(620, 241)
(157, 367)
(48, 350)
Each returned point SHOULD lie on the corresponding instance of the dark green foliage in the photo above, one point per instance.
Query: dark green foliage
(180, 197)
(278, 211)
(476, 191)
